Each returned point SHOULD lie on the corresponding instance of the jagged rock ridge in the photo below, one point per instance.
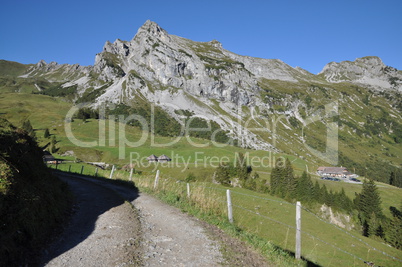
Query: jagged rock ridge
(178, 73)
(368, 71)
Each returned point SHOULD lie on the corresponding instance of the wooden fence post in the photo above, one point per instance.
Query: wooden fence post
(230, 211)
(111, 173)
(82, 169)
(131, 174)
(188, 190)
(69, 168)
(96, 172)
(298, 230)
(156, 179)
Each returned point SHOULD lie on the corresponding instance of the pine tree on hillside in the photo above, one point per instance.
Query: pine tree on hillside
(368, 203)
(46, 134)
(289, 181)
(324, 195)
(343, 201)
(317, 192)
(395, 178)
(52, 146)
(283, 182)
(330, 201)
(27, 127)
(277, 176)
(394, 233)
(274, 181)
(370, 200)
(305, 188)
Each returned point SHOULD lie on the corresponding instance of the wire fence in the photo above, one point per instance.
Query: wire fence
(317, 217)
(268, 217)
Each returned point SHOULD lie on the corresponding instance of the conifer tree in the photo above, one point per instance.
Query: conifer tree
(305, 188)
(394, 232)
(288, 181)
(27, 127)
(343, 201)
(395, 178)
(324, 195)
(277, 177)
(317, 192)
(52, 146)
(368, 203)
(330, 198)
(46, 133)
(370, 200)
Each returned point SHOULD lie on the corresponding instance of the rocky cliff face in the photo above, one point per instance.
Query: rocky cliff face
(202, 77)
(153, 59)
(368, 71)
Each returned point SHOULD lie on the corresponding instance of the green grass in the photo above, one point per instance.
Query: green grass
(259, 215)
(187, 159)
(265, 221)
(10, 68)
(268, 222)
(20, 106)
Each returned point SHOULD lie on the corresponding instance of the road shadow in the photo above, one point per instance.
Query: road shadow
(92, 198)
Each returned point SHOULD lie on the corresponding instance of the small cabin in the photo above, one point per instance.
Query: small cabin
(152, 158)
(164, 158)
(340, 172)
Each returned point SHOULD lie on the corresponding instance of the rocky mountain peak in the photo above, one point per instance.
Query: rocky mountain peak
(153, 29)
(370, 61)
(368, 71)
(216, 43)
(41, 63)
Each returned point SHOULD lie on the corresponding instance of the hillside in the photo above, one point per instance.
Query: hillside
(202, 105)
(261, 104)
(26, 187)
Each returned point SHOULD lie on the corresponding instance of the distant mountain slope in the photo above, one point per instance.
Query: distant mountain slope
(263, 103)
(368, 71)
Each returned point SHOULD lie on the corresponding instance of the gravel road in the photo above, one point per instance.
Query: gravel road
(104, 230)
(172, 238)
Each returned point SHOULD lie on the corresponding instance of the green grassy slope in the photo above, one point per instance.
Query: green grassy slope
(10, 68)
(47, 112)
(370, 128)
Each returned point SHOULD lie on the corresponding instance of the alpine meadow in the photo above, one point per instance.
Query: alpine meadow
(206, 120)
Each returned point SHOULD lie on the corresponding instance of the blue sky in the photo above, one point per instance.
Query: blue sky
(304, 33)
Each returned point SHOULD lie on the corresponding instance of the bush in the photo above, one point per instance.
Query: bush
(32, 200)
(222, 174)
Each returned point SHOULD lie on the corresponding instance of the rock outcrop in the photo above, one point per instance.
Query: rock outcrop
(368, 71)
(211, 82)
(153, 58)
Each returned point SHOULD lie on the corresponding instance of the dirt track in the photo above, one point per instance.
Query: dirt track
(105, 230)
